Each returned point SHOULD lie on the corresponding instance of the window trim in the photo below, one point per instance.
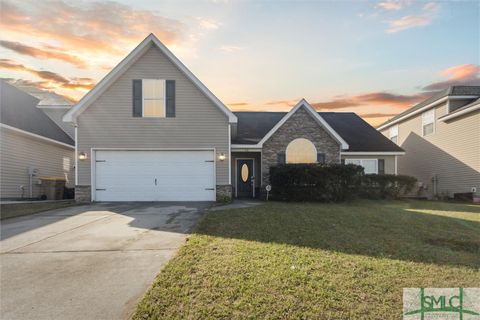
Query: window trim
(364, 159)
(286, 150)
(164, 99)
(424, 124)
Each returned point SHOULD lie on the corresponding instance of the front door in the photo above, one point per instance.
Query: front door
(245, 178)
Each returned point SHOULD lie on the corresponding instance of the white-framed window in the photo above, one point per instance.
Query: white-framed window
(153, 102)
(301, 151)
(394, 133)
(369, 165)
(428, 122)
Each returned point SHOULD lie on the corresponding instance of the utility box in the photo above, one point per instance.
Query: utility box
(52, 187)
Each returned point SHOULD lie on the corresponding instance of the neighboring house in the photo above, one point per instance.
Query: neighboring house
(441, 137)
(151, 131)
(31, 146)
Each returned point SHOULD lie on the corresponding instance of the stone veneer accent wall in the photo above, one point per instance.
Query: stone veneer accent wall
(83, 193)
(224, 191)
(300, 125)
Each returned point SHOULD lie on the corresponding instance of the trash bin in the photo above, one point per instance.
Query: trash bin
(52, 187)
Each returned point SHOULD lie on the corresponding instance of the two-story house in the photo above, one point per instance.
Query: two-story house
(441, 137)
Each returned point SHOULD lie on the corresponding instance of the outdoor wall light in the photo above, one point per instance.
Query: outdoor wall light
(82, 156)
(222, 157)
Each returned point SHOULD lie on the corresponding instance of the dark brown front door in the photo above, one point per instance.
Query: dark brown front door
(245, 178)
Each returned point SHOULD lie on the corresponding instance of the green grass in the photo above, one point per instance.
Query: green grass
(317, 261)
(22, 209)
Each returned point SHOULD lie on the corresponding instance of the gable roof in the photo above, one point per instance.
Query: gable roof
(19, 111)
(458, 92)
(360, 136)
(304, 104)
(133, 56)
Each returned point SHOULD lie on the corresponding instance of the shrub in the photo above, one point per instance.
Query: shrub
(315, 182)
(386, 186)
(334, 182)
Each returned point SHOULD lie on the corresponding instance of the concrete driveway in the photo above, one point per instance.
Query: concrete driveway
(88, 262)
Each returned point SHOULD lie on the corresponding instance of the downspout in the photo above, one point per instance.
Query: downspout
(230, 154)
(76, 154)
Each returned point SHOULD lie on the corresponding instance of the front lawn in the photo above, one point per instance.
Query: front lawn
(317, 261)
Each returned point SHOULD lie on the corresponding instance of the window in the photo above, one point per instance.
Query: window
(301, 151)
(394, 134)
(369, 165)
(428, 122)
(153, 98)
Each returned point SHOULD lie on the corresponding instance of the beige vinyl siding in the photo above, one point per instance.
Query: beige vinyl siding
(389, 161)
(451, 153)
(108, 122)
(19, 152)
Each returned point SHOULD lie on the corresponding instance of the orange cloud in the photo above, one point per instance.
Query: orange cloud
(465, 74)
(368, 99)
(237, 104)
(92, 27)
(464, 71)
(49, 52)
(50, 80)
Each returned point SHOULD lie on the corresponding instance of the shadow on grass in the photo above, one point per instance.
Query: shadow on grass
(387, 229)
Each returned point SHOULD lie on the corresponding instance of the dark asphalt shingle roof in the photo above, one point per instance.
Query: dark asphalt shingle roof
(450, 91)
(19, 109)
(360, 136)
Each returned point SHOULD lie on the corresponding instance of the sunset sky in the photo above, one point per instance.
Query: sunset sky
(375, 58)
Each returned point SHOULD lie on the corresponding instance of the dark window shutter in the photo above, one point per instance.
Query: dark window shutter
(321, 157)
(281, 158)
(342, 161)
(137, 98)
(170, 98)
(381, 166)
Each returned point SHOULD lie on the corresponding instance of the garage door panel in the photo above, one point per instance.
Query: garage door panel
(131, 175)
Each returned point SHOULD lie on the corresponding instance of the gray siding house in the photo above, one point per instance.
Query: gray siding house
(32, 146)
(151, 131)
(441, 137)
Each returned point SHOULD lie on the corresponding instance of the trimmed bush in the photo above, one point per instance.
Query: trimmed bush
(386, 186)
(334, 183)
(315, 182)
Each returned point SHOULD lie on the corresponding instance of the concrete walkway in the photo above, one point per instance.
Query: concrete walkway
(88, 262)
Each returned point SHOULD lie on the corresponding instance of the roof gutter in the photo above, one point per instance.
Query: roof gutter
(460, 113)
(428, 106)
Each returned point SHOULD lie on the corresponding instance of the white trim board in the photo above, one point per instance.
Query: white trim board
(372, 153)
(133, 56)
(411, 114)
(36, 136)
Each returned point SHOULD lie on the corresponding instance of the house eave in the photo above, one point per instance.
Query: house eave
(424, 108)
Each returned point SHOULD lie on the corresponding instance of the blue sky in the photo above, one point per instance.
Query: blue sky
(375, 58)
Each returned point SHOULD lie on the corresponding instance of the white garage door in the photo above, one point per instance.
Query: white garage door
(154, 176)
